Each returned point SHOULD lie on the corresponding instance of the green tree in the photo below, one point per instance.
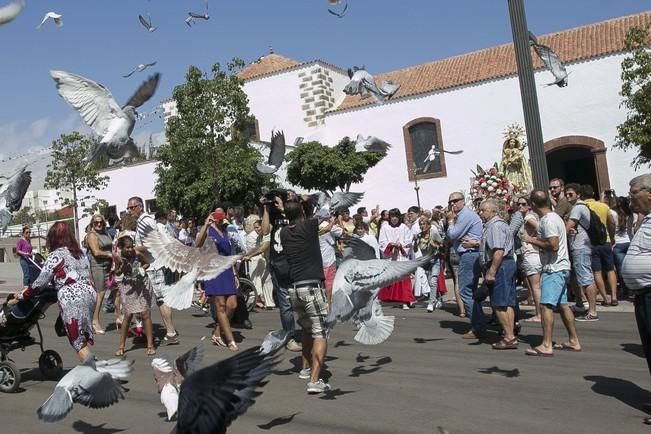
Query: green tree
(24, 216)
(314, 166)
(635, 131)
(68, 170)
(206, 159)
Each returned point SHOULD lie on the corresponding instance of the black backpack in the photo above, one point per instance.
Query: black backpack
(597, 230)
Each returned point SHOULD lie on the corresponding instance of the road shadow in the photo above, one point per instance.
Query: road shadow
(341, 344)
(457, 327)
(81, 426)
(163, 415)
(35, 374)
(358, 371)
(297, 365)
(627, 392)
(332, 395)
(423, 340)
(635, 349)
(508, 373)
(282, 420)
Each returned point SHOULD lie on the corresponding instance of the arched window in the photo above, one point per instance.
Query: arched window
(248, 129)
(422, 139)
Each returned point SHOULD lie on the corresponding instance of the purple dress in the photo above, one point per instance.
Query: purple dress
(224, 284)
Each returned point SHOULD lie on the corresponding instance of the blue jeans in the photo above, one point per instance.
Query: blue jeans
(619, 251)
(469, 271)
(433, 280)
(281, 298)
(642, 304)
(24, 265)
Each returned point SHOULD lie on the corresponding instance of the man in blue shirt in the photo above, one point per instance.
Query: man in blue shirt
(464, 230)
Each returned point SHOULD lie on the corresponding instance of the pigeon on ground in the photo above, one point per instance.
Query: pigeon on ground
(372, 144)
(551, 61)
(339, 14)
(276, 155)
(327, 206)
(102, 114)
(12, 192)
(86, 384)
(11, 11)
(146, 24)
(139, 68)
(169, 377)
(213, 397)
(355, 289)
(362, 83)
(55, 17)
(198, 263)
(433, 154)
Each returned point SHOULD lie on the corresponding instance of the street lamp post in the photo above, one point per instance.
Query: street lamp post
(416, 186)
(528, 94)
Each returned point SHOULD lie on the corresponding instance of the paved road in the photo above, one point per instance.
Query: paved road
(422, 378)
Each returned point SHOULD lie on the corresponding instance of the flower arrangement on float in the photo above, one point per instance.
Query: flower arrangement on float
(491, 183)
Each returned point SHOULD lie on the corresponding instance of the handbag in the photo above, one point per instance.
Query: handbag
(481, 292)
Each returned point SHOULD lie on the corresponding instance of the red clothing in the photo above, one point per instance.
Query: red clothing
(399, 291)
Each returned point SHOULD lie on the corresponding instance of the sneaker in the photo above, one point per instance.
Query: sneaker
(438, 304)
(578, 309)
(171, 339)
(405, 306)
(430, 307)
(588, 317)
(318, 387)
(294, 346)
(305, 373)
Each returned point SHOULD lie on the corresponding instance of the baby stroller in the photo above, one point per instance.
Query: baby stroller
(15, 334)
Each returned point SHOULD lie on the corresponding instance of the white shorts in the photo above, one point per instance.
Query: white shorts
(531, 265)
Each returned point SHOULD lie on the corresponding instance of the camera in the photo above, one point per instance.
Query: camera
(270, 196)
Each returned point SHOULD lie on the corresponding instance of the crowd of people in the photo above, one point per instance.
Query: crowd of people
(562, 245)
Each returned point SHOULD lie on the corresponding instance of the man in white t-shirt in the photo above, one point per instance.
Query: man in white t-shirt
(552, 241)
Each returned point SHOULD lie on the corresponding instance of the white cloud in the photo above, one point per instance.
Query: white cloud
(16, 138)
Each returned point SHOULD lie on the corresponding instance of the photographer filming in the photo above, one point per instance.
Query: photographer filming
(273, 220)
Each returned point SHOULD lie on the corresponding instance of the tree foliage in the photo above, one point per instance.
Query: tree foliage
(635, 132)
(205, 159)
(314, 166)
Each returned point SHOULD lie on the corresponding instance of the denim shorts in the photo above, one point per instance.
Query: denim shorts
(502, 292)
(602, 258)
(311, 307)
(582, 266)
(553, 288)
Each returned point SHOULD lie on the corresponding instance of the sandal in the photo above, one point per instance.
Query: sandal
(462, 315)
(506, 345)
(233, 346)
(217, 340)
(151, 351)
(120, 352)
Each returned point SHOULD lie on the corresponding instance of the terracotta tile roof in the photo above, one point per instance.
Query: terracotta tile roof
(572, 45)
(268, 64)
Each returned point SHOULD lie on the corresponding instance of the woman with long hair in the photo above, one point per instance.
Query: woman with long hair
(623, 234)
(530, 264)
(222, 290)
(67, 269)
(24, 251)
(100, 257)
(396, 241)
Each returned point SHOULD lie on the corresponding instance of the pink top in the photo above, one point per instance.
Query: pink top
(23, 246)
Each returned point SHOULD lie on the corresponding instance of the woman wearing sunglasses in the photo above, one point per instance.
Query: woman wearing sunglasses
(100, 258)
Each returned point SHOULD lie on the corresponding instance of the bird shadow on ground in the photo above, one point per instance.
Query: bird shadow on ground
(282, 420)
(364, 370)
(81, 426)
(163, 415)
(423, 340)
(623, 390)
(341, 344)
(635, 349)
(458, 327)
(332, 395)
(508, 373)
(531, 340)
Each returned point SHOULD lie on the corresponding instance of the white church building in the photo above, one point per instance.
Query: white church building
(458, 103)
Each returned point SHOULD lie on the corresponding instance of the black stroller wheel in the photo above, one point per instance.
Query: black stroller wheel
(50, 364)
(248, 291)
(9, 377)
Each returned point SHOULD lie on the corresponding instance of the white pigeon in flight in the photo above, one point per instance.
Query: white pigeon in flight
(276, 155)
(433, 154)
(139, 68)
(10, 11)
(112, 123)
(92, 383)
(371, 144)
(362, 83)
(327, 206)
(12, 192)
(57, 18)
(551, 60)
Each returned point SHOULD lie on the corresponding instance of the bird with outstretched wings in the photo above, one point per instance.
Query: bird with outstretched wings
(276, 155)
(551, 60)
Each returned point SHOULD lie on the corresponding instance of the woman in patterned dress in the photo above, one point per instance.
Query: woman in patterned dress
(67, 268)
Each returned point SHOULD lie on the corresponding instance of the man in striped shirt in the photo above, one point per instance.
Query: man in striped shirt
(636, 269)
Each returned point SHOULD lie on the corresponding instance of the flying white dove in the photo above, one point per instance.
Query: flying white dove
(12, 192)
(372, 144)
(276, 155)
(433, 154)
(356, 285)
(198, 263)
(86, 384)
(327, 206)
(10, 11)
(168, 378)
(55, 17)
(102, 114)
(551, 60)
(139, 68)
(203, 16)
(213, 397)
(147, 24)
(362, 83)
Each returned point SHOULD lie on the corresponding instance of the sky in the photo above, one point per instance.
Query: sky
(103, 40)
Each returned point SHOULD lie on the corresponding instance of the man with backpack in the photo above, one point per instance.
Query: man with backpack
(578, 226)
(602, 251)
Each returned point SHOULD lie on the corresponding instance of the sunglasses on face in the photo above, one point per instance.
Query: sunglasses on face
(554, 187)
(453, 201)
(522, 203)
(99, 222)
(132, 207)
